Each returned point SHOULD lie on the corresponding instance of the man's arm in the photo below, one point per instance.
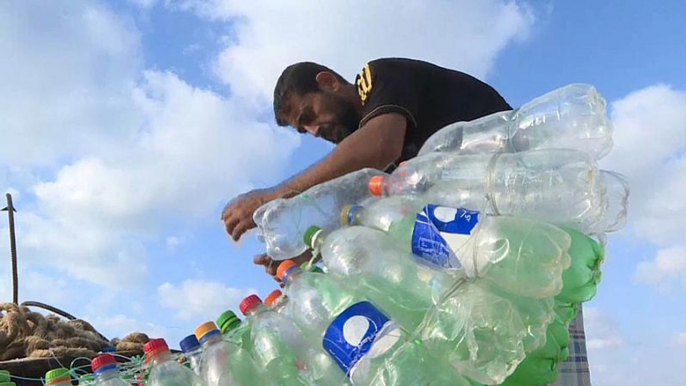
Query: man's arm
(377, 144)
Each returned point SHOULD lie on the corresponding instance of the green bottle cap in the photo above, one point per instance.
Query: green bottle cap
(310, 234)
(8, 384)
(227, 321)
(4, 376)
(306, 266)
(60, 373)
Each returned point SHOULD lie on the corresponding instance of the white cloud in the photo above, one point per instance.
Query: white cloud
(119, 326)
(200, 299)
(173, 242)
(66, 76)
(650, 148)
(189, 157)
(345, 35)
(650, 140)
(681, 338)
(669, 265)
(601, 331)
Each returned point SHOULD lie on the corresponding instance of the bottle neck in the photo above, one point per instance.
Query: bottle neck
(355, 216)
(292, 275)
(160, 357)
(59, 382)
(257, 310)
(107, 374)
(318, 240)
(210, 339)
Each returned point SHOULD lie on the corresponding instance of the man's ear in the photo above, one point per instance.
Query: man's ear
(327, 81)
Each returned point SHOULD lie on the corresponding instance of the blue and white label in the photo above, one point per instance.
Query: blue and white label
(452, 220)
(439, 231)
(353, 333)
(428, 243)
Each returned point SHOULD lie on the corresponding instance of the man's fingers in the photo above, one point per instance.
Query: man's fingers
(272, 266)
(230, 224)
(241, 228)
(261, 259)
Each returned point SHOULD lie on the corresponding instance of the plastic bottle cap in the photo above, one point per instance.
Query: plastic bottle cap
(8, 383)
(308, 237)
(250, 302)
(205, 329)
(285, 266)
(271, 298)
(155, 345)
(103, 362)
(4, 376)
(57, 374)
(376, 185)
(347, 216)
(307, 267)
(227, 321)
(189, 343)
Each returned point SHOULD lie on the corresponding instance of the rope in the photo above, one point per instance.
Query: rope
(28, 334)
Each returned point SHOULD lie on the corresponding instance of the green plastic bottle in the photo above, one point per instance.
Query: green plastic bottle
(58, 377)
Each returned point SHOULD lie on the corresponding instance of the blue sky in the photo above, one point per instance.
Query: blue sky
(127, 126)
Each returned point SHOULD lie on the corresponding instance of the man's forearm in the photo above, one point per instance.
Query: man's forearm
(338, 163)
(376, 145)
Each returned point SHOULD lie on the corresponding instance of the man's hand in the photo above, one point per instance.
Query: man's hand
(237, 214)
(270, 266)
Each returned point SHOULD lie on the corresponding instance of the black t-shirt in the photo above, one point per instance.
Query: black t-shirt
(429, 96)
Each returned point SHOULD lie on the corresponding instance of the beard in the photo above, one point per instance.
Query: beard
(346, 120)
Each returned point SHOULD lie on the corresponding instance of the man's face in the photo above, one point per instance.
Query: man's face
(323, 114)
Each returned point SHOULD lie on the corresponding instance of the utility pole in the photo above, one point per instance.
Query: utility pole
(13, 249)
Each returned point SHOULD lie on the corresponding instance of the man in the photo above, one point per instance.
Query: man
(377, 122)
(382, 119)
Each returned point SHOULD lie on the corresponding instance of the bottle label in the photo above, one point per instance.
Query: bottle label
(440, 230)
(452, 220)
(427, 242)
(353, 333)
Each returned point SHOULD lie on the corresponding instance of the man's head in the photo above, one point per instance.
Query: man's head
(314, 99)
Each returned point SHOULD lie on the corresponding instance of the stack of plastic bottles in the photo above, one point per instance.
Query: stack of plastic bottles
(464, 265)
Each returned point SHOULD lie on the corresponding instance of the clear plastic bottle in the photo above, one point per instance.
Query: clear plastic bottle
(525, 257)
(614, 188)
(368, 259)
(317, 366)
(192, 351)
(276, 301)
(106, 371)
(273, 339)
(164, 371)
(369, 347)
(558, 186)
(571, 117)
(234, 330)
(84, 380)
(58, 377)
(283, 221)
(458, 325)
(224, 364)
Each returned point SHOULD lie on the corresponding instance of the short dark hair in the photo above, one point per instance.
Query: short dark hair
(298, 79)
